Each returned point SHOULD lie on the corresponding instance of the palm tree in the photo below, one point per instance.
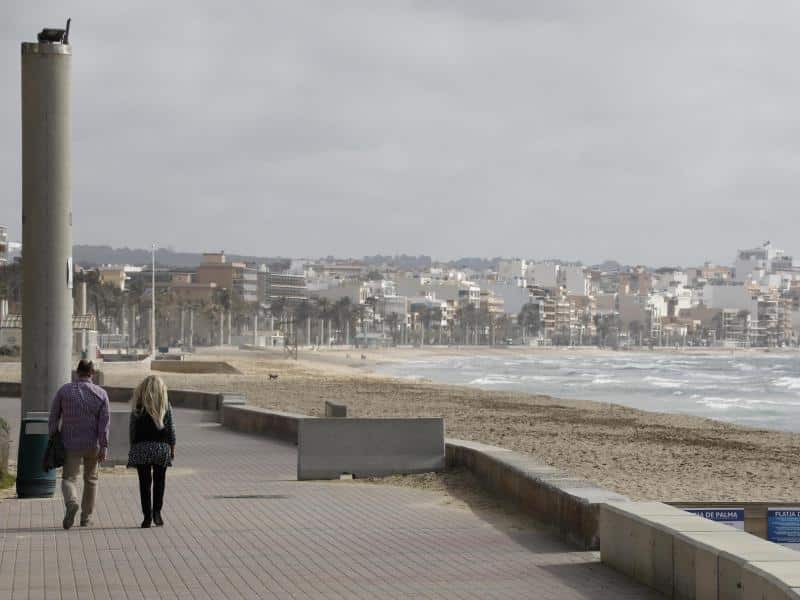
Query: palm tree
(392, 320)
(530, 320)
(467, 318)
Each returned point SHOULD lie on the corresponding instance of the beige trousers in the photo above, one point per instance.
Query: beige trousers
(69, 480)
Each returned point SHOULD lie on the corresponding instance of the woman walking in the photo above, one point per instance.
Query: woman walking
(152, 437)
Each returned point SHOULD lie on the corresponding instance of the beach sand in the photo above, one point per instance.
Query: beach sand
(643, 455)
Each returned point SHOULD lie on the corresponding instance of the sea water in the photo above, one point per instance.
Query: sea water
(757, 389)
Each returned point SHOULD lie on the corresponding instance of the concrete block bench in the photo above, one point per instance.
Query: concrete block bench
(685, 556)
(568, 505)
(328, 448)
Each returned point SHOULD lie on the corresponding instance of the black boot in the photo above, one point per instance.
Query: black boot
(145, 481)
(157, 518)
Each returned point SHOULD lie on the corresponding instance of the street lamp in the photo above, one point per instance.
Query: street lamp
(153, 307)
(47, 242)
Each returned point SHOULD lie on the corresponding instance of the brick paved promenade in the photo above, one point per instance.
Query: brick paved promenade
(239, 526)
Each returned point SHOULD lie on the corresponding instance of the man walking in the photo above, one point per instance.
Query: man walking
(82, 408)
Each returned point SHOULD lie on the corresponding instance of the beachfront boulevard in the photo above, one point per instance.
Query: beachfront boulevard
(238, 525)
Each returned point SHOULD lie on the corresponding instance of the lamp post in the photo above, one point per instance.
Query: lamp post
(47, 242)
(46, 220)
(153, 306)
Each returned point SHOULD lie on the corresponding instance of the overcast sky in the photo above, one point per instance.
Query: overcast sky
(648, 131)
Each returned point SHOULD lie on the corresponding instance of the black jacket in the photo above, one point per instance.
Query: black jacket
(143, 429)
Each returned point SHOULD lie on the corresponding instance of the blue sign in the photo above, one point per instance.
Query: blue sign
(783, 526)
(730, 516)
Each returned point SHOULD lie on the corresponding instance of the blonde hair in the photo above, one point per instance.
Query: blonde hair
(150, 396)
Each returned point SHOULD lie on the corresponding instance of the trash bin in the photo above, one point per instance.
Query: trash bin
(32, 480)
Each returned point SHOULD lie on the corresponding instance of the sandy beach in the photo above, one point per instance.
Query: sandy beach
(641, 454)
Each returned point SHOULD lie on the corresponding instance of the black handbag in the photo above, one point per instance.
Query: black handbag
(54, 455)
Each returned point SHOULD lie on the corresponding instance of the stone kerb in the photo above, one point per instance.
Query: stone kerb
(570, 506)
(683, 555)
(363, 447)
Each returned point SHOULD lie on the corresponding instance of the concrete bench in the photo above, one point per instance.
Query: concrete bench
(328, 448)
(338, 411)
(770, 580)
(710, 565)
(683, 555)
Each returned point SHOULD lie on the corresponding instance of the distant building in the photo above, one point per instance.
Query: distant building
(512, 270)
(3, 244)
(543, 274)
(575, 281)
(234, 276)
(187, 291)
(285, 286)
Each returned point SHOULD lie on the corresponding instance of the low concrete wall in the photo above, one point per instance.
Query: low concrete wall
(327, 448)
(5, 451)
(193, 367)
(260, 421)
(685, 556)
(567, 505)
(119, 435)
(177, 398)
(10, 389)
(335, 410)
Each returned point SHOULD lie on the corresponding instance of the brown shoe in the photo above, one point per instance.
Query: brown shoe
(69, 516)
(86, 521)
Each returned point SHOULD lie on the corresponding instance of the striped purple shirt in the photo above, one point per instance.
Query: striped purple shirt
(84, 416)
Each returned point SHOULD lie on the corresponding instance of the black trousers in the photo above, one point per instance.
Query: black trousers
(156, 476)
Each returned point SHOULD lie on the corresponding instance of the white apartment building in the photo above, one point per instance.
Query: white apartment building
(543, 274)
(736, 297)
(666, 280)
(3, 244)
(512, 270)
(575, 281)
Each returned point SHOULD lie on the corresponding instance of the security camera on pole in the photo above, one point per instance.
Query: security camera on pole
(47, 246)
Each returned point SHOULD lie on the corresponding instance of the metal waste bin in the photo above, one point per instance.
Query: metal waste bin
(32, 480)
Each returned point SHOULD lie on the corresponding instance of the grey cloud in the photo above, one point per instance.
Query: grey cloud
(648, 131)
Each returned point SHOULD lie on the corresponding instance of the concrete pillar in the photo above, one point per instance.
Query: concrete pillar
(133, 341)
(46, 222)
(82, 310)
(255, 329)
(3, 309)
(229, 328)
(183, 322)
(82, 304)
(221, 328)
(347, 333)
(308, 331)
(191, 327)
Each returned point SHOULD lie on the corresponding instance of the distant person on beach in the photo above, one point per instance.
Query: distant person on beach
(81, 408)
(152, 437)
